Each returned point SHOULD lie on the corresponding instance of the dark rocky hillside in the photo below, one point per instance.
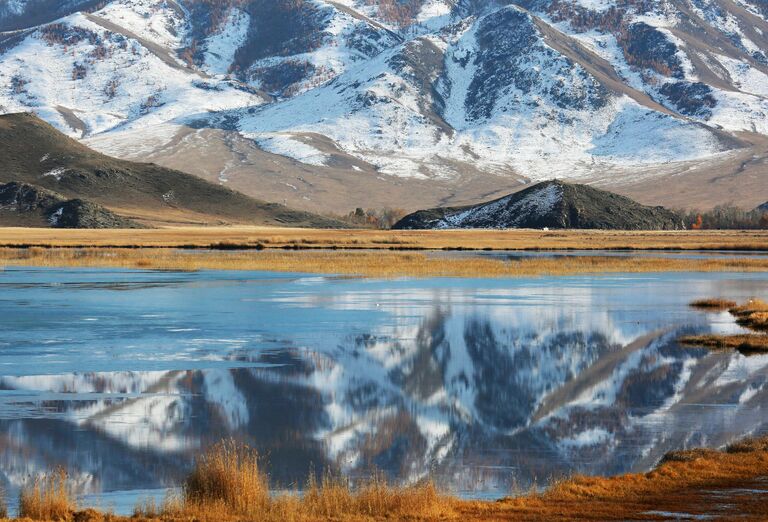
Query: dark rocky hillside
(551, 204)
(33, 152)
(27, 205)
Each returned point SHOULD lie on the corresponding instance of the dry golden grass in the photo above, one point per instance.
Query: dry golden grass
(270, 237)
(690, 485)
(713, 304)
(693, 482)
(226, 480)
(374, 264)
(227, 483)
(753, 314)
(47, 497)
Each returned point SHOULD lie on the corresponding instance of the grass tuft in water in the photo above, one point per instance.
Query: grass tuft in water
(753, 314)
(47, 497)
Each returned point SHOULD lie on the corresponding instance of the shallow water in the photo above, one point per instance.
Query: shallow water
(487, 385)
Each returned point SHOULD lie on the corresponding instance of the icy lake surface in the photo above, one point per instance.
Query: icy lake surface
(486, 385)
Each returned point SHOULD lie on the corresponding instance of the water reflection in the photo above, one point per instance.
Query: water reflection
(123, 376)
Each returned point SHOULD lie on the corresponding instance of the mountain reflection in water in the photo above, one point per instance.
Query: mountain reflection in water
(123, 376)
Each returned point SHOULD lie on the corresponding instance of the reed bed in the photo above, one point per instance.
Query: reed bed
(272, 237)
(753, 314)
(371, 264)
(48, 497)
(228, 483)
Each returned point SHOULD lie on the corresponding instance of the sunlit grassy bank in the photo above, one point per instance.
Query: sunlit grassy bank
(228, 484)
(375, 264)
(265, 237)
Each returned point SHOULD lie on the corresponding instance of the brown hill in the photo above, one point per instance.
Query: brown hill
(33, 152)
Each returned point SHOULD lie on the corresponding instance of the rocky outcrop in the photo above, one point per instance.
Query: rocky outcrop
(550, 204)
(24, 204)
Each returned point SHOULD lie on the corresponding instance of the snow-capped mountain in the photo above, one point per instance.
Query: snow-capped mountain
(423, 96)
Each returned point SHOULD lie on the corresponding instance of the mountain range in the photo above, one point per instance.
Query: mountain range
(407, 103)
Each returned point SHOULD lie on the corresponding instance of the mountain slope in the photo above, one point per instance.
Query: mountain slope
(551, 204)
(33, 152)
(426, 98)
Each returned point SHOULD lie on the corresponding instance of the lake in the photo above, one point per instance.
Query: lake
(489, 386)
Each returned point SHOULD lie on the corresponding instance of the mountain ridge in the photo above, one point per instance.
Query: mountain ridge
(409, 94)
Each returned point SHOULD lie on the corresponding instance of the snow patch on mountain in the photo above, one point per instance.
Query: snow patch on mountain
(746, 77)
(541, 201)
(639, 135)
(221, 47)
(150, 19)
(133, 85)
(289, 146)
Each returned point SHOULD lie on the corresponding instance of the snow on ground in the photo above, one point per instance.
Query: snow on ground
(132, 88)
(541, 201)
(435, 14)
(746, 77)
(737, 111)
(150, 19)
(57, 173)
(221, 47)
(639, 135)
(285, 145)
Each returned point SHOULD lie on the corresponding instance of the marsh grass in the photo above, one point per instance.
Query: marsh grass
(753, 314)
(229, 483)
(47, 497)
(227, 479)
(368, 263)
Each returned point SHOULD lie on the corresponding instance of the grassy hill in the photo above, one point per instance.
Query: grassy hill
(33, 152)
